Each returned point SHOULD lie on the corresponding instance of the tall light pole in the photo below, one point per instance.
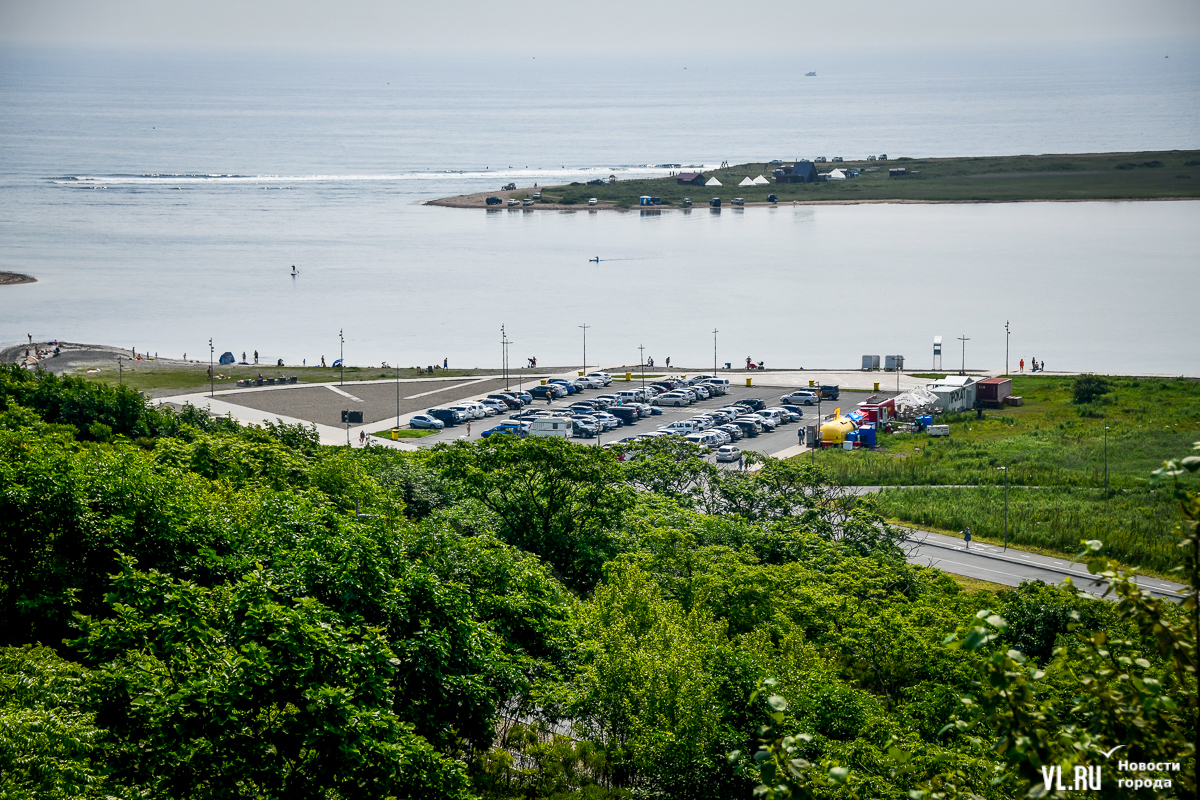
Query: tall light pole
(1005, 471)
(121, 372)
(210, 367)
(714, 351)
(964, 339)
(342, 364)
(642, 361)
(1007, 333)
(1106, 458)
(504, 356)
(397, 395)
(585, 327)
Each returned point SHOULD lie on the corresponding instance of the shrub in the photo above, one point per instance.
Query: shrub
(1089, 388)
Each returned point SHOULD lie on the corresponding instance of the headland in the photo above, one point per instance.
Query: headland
(1149, 175)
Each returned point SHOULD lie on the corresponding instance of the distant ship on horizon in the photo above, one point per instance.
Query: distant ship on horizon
(810, 74)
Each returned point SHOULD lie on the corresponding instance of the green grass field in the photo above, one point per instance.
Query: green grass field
(1091, 176)
(1052, 444)
(405, 433)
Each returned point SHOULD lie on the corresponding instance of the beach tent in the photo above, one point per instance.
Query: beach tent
(760, 181)
(836, 175)
(713, 182)
(746, 181)
(226, 358)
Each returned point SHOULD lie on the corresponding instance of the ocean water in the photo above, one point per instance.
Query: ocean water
(162, 200)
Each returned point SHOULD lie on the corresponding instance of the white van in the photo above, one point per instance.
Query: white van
(682, 426)
(630, 395)
(710, 379)
(551, 426)
(709, 439)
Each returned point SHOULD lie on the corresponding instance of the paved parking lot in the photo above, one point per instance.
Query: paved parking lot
(782, 438)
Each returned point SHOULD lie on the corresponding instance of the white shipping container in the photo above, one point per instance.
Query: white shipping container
(939, 430)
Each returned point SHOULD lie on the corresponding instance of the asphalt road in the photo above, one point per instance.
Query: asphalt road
(1012, 567)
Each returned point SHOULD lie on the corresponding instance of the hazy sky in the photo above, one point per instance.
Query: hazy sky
(590, 27)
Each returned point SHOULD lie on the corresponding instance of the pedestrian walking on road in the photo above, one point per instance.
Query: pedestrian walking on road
(468, 429)
(967, 537)
(549, 398)
(741, 463)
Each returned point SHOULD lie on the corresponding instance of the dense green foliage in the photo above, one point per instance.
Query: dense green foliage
(192, 609)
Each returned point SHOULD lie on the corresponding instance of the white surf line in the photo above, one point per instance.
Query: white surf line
(447, 388)
(336, 390)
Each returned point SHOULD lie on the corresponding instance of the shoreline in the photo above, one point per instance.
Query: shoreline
(15, 278)
(477, 201)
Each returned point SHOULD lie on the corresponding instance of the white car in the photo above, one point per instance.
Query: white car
(470, 411)
(700, 391)
(671, 399)
(426, 421)
(728, 452)
(588, 382)
(801, 398)
(603, 377)
(768, 422)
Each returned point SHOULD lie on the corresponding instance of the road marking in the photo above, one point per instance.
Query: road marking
(336, 390)
(447, 388)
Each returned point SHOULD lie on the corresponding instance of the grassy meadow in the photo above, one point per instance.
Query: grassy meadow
(1090, 176)
(1054, 451)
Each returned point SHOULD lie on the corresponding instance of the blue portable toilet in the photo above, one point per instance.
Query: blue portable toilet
(645, 200)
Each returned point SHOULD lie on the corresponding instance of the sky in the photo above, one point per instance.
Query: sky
(591, 27)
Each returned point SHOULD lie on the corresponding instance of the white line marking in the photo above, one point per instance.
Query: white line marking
(447, 388)
(336, 390)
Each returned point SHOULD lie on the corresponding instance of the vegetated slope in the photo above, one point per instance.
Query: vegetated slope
(189, 608)
(1056, 444)
(1087, 176)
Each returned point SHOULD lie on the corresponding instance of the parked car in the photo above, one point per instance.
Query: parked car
(671, 399)
(749, 427)
(735, 433)
(426, 421)
(494, 201)
(752, 403)
(715, 389)
(803, 397)
(448, 416)
(797, 410)
(609, 421)
(508, 187)
(772, 198)
(543, 391)
(729, 452)
(588, 382)
(829, 391)
(567, 385)
(791, 416)
(507, 399)
(499, 406)
(523, 395)
(584, 428)
(767, 422)
(603, 377)
(627, 414)
(518, 429)
(592, 201)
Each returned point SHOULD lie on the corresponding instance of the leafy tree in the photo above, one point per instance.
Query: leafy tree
(1089, 388)
(548, 495)
(239, 691)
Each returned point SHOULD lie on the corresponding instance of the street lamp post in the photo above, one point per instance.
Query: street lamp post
(504, 356)
(210, 367)
(1105, 458)
(1007, 333)
(585, 327)
(397, 395)
(120, 372)
(964, 339)
(342, 365)
(642, 360)
(1005, 471)
(714, 351)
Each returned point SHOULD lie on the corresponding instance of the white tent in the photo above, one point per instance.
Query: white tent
(713, 182)
(836, 175)
(746, 181)
(760, 180)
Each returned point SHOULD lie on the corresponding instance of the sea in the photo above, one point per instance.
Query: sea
(162, 198)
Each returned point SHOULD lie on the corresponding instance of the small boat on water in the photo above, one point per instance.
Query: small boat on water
(810, 74)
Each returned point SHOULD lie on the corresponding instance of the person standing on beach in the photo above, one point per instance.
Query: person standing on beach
(322, 361)
(1022, 365)
(668, 362)
(255, 356)
(445, 363)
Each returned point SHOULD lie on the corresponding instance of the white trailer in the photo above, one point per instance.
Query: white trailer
(551, 426)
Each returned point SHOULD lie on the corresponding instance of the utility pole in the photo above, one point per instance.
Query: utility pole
(964, 339)
(342, 364)
(504, 356)
(210, 367)
(585, 327)
(1007, 333)
(121, 372)
(714, 351)
(1005, 471)
(397, 395)
(642, 359)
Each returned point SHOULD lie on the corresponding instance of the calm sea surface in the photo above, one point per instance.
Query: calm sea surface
(163, 200)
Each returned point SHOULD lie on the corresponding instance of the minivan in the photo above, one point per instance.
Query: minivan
(684, 426)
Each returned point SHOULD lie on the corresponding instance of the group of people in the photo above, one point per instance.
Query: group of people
(751, 365)
(1037, 366)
